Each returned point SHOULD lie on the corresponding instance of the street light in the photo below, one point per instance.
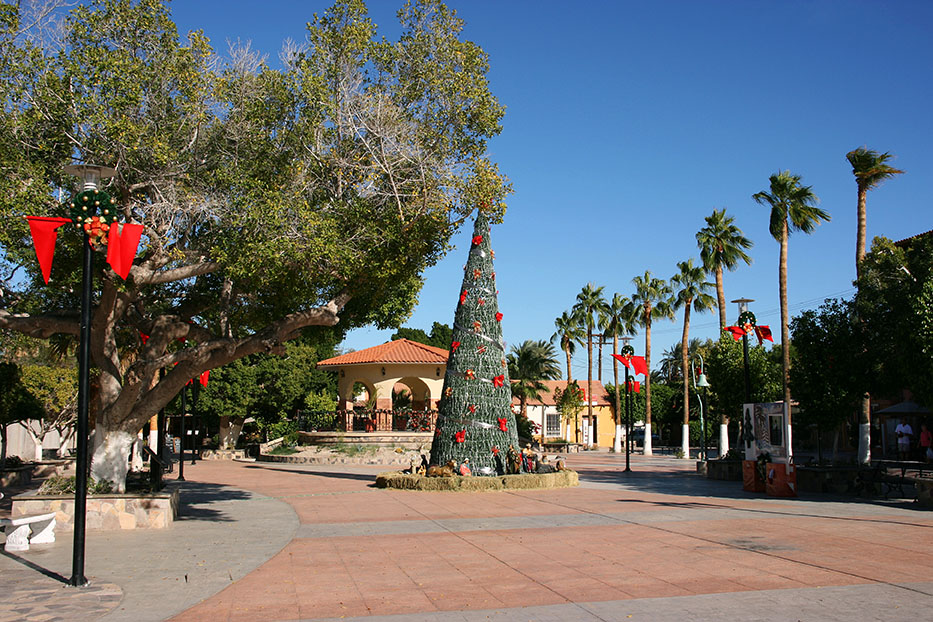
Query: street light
(90, 176)
(627, 350)
(702, 383)
(743, 307)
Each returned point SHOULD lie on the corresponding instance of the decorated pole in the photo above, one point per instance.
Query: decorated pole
(475, 425)
(85, 205)
(626, 350)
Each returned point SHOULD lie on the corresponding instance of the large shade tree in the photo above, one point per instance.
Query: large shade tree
(793, 208)
(870, 168)
(589, 306)
(691, 293)
(722, 246)
(653, 296)
(272, 200)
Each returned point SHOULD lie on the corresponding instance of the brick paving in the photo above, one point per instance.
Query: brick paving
(656, 544)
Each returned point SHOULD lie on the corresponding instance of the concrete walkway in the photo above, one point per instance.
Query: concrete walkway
(283, 542)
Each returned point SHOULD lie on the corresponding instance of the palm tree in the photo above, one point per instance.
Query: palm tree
(722, 245)
(529, 364)
(653, 295)
(691, 293)
(618, 318)
(669, 365)
(793, 208)
(569, 332)
(870, 170)
(590, 303)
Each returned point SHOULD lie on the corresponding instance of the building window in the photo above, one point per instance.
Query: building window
(553, 424)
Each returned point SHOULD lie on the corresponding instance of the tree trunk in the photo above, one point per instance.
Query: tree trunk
(684, 365)
(862, 229)
(599, 369)
(569, 373)
(63, 437)
(648, 451)
(785, 334)
(864, 428)
(3, 427)
(589, 375)
(721, 299)
(110, 458)
(230, 428)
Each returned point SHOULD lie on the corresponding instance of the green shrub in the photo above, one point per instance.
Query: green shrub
(283, 450)
(61, 485)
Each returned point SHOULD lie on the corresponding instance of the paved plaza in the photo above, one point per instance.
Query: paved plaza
(266, 542)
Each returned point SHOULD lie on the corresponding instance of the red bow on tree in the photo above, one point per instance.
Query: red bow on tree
(460, 436)
(503, 424)
(477, 240)
(453, 346)
(499, 380)
(498, 317)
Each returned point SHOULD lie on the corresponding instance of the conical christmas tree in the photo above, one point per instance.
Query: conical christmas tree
(475, 419)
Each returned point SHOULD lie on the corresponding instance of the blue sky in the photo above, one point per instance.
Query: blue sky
(629, 122)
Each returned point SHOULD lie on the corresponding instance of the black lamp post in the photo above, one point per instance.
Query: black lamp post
(627, 350)
(702, 383)
(90, 175)
(181, 436)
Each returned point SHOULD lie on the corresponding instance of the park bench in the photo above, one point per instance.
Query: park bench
(562, 447)
(18, 538)
(894, 474)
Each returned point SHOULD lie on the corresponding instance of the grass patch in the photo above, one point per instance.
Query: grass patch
(354, 450)
(524, 481)
(282, 450)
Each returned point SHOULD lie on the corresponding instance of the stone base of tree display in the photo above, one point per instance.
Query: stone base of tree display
(523, 481)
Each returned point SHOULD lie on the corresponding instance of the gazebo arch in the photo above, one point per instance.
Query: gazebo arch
(380, 368)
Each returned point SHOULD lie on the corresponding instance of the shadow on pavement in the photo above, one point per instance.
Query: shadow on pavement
(196, 498)
(363, 477)
(33, 566)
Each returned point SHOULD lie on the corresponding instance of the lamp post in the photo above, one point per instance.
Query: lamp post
(627, 350)
(743, 307)
(181, 436)
(702, 383)
(90, 176)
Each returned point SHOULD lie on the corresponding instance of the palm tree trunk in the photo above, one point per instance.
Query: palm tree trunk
(599, 369)
(647, 446)
(864, 441)
(720, 298)
(617, 442)
(589, 376)
(684, 363)
(785, 332)
(567, 352)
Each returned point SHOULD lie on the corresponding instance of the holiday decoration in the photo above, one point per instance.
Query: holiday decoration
(747, 326)
(636, 363)
(92, 211)
(475, 412)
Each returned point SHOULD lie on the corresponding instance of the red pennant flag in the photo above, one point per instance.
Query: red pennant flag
(640, 365)
(44, 233)
(122, 247)
(622, 359)
(204, 376)
(503, 424)
(763, 332)
(737, 331)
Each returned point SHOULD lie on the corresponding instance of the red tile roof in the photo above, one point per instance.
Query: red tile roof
(600, 396)
(398, 351)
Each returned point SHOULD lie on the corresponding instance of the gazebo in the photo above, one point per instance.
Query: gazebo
(380, 369)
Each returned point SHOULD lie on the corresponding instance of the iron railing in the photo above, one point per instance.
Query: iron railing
(367, 421)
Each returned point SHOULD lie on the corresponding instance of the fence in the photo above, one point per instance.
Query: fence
(367, 421)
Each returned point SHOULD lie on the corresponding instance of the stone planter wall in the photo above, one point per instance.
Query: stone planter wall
(223, 454)
(835, 480)
(728, 470)
(104, 512)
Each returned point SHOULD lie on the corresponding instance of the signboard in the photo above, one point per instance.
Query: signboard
(764, 429)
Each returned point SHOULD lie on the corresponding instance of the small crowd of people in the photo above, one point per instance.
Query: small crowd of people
(906, 441)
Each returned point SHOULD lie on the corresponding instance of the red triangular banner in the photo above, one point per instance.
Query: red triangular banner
(122, 247)
(204, 376)
(763, 332)
(639, 365)
(623, 359)
(737, 332)
(44, 233)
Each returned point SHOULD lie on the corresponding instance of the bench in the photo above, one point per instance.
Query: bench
(562, 447)
(18, 531)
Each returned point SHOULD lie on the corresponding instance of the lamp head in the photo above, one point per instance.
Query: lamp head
(702, 383)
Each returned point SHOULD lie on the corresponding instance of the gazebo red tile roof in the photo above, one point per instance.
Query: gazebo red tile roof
(398, 351)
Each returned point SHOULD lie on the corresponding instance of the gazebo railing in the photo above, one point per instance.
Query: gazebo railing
(367, 421)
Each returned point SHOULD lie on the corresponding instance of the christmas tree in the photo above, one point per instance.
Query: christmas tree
(475, 419)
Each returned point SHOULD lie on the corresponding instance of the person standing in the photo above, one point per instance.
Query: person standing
(926, 442)
(904, 432)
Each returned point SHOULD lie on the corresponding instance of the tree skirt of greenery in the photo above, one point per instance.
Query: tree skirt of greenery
(523, 481)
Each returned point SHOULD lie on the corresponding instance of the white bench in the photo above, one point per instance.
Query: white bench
(18, 531)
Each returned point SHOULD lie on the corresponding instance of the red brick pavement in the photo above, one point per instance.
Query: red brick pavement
(782, 544)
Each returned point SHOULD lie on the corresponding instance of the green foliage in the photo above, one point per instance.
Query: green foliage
(725, 371)
(829, 364)
(54, 388)
(529, 363)
(320, 401)
(283, 450)
(61, 485)
(440, 337)
(287, 430)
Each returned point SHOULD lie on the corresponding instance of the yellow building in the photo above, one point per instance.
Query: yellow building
(598, 432)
